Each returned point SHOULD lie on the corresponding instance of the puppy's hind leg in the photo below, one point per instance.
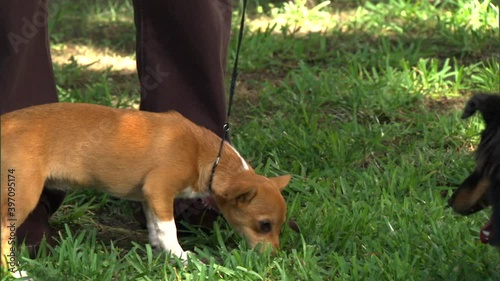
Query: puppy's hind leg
(21, 189)
(152, 231)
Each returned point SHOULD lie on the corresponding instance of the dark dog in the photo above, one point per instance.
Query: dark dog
(482, 187)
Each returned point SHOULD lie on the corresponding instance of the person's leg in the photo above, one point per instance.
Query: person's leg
(27, 78)
(181, 61)
(26, 75)
(181, 57)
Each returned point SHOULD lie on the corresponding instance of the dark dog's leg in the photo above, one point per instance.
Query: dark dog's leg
(469, 183)
(468, 197)
(495, 218)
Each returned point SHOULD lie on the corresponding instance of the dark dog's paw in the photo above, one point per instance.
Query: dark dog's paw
(293, 225)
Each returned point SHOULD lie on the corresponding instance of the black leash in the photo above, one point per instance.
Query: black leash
(232, 88)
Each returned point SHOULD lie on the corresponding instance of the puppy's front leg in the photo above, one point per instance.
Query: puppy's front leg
(163, 233)
(159, 210)
(167, 234)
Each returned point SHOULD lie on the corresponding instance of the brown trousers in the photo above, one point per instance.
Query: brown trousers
(181, 61)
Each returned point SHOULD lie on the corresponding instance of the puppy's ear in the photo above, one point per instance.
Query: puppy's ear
(282, 181)
(239, 191)
(246, 196)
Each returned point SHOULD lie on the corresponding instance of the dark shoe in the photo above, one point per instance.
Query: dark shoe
(35, 228)
(196, 212)
(138, 213)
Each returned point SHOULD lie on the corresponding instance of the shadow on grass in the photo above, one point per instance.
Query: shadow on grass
(432, 37)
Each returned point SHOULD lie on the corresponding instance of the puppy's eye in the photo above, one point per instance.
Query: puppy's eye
(265, 226)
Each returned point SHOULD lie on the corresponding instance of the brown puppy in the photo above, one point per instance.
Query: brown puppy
(135, 155)
(482, 187)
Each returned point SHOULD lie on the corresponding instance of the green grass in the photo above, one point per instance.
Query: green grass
(365, 115)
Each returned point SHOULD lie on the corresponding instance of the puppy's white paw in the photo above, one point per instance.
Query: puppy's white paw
(180, 257)
(184, 257)
(21, 274)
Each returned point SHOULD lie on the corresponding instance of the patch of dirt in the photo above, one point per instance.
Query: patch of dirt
(112, 225)
(446, 104)
(120, 229)
(94, 58)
